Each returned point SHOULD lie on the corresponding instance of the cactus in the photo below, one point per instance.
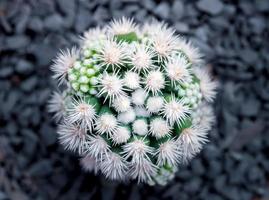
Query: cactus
(135, 103)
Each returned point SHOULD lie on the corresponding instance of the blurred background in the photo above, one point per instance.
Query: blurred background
(234, 37)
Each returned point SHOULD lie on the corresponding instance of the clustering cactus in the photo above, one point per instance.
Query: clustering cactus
(135, 105)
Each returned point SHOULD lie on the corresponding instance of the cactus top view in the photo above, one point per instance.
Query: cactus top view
(134, 101)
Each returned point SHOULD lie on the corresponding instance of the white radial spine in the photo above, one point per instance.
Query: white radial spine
(175, 111)
(111, 86)
(82, 113)
(141, 111)
(164, 41)
(141, 59)
(93, 39)
(208, 86)
(122, 26)
(154, 104)
(89, 163)
(121, 135)
(139, 96)
(154, 82)
(193, 54)
(72, 137)
(127, 117)
(131, 80)
(56, 105)
(143, 171)
(177, 70)
(97, 147)
(203, 117)
(159, 128)
(121, 104)
(140, 127)
(112, 54)
(106, 123)
(168, 153)
(113, 166)
(191, 141)
(141, 167)
(64, 61)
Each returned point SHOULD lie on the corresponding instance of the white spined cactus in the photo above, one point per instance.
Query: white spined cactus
(136, 101)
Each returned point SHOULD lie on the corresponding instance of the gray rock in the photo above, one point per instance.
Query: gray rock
(29, 84)
(41, 168)
(250, 107)
(43, 53)
(48, 135)
(36, 24)
(149, 4)
(262, 5)
(23, 18)
(177, 10)
(5, 24)
(66, 6)
(83, 20)
(17, 42)
(24, 67)
(182, 27)
(249, 56)
(162, 10)
(258, 24)
(212, 7)
(54, 22)
(5, 71)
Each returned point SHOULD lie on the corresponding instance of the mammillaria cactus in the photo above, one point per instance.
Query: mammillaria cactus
(135, 103)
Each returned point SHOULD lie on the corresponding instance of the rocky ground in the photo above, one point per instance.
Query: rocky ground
(232, 35)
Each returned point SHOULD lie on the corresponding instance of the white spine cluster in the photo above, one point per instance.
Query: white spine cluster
(136, 105)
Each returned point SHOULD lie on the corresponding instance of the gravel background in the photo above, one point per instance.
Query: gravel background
(234, 36)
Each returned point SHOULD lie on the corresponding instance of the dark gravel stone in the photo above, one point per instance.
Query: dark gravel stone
(149, 5)
(23, 19)
(83, 20)
(17, 42)
(197, 167)
(100, 15)
(177, 9)
(4, 23)
(5, 71)
(214, 169)
(163, 10)
(30, 142)
(247, 7)
(250, 107)
(255, 174)
(54, 23)
(36, 24)
(141, 15)
(48, 135)
(258, 24)
(248, 56)
(3, 196)
(66, 6)
(212, 7)
(43, 53)
(10, 102)
(11, 128)
(262, 5)
(41, 168)
(249, 131)
(29, 84)
(24, 67)
(182, 27)
(193, 186)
